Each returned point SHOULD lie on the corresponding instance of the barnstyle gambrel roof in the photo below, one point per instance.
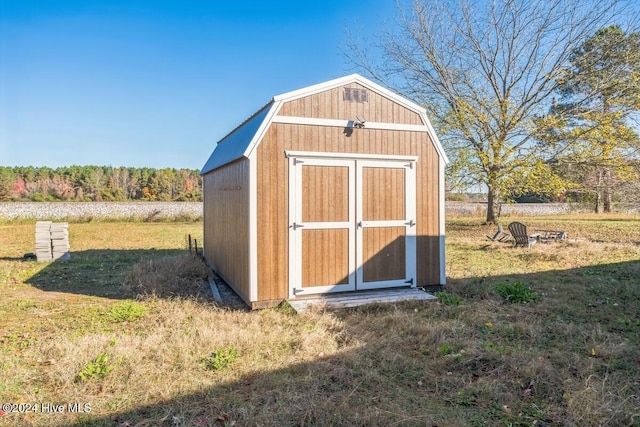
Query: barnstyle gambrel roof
(234, 145)
(241, 142)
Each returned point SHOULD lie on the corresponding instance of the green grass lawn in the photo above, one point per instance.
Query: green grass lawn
(568, 354)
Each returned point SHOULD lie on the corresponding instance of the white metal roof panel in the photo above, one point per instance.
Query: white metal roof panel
(234, 145)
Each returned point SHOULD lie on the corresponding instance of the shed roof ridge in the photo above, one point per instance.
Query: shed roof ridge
(351, 78)
(241, 141)
(247, 120)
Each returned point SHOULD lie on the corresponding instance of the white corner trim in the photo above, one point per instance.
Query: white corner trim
(314, 121)
(253, 229)
(434, 137)
(443, 273)
(257, 137)
(441, 222)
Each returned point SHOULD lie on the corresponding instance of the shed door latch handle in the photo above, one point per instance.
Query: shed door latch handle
(410, 223)
(294, 226)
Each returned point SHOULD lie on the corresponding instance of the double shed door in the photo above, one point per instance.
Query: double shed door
(352, 224)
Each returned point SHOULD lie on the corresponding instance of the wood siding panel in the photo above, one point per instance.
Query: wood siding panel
(383, 194)
(383, 252)
(325, 194)
(330, 104)
(273, 179)
(273, 184)
(325, 257)
(226, 224)
(273, 215)
(428, 242)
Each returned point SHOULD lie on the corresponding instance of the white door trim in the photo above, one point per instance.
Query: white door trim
(355, 225)
(297, 225)
(409, 223)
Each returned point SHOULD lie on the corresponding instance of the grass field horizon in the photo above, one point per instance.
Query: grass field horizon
(520, 337)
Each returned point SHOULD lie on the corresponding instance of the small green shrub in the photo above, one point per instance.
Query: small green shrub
(517, 292)
(466, 398)
(16, 342)
(447, 349)
(285, 308)
(220, 359)
(97, 368)
(627, 324)
(25, 304)
(499, 348)
(126, 311)
(448, 299)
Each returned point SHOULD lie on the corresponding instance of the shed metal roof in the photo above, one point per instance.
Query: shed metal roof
(234, 145)
(241, 141)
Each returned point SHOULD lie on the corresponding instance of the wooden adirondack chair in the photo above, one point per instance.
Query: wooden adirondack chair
(519, 232)
(500, 235)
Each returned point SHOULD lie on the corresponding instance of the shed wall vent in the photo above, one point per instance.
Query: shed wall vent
(356, 95)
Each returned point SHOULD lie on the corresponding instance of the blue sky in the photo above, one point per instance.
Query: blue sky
(156, 83)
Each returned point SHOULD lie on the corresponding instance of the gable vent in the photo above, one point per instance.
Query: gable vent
(356, 95)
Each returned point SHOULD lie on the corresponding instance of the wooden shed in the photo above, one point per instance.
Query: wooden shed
(336, 187)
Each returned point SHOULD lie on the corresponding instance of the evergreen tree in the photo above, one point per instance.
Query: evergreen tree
(590, 133)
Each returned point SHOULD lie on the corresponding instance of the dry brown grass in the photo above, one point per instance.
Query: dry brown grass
(570, 359)
(176, 276)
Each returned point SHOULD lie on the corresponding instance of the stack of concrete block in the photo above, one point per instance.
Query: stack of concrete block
(60, 240)
(43, 241)
(52, 241)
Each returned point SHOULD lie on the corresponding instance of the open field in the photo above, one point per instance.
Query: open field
(100, 211)
(74, 333)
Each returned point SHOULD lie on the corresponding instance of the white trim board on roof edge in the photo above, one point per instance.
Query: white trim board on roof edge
(241, 142)
(352, 78)
(234, 144)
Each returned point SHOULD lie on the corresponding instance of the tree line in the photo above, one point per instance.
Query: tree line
(99, 183)
(529, 97)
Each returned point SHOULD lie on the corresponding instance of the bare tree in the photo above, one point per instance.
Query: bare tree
(484, 70)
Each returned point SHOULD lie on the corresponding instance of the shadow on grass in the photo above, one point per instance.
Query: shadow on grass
(94, 272)
(391, 382)
(6, 258)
